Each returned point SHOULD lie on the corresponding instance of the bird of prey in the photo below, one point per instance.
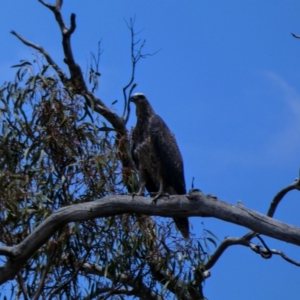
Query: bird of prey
(157, 156)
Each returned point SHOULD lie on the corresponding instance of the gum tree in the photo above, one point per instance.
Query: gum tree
(69, 226)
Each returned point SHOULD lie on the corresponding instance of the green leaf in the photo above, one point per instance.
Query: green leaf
(212, 234)
(24, 63)
(212, 241)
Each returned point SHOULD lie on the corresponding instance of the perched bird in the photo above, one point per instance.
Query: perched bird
(157, 156)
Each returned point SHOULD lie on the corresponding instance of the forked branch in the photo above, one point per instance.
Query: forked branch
(62, 76)
(244, 240)
(136, 52)
(76, 84)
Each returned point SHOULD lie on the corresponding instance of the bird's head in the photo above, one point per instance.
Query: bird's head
(143, 107)
(138, 98)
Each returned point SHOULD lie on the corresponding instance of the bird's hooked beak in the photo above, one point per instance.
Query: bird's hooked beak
(132, 99)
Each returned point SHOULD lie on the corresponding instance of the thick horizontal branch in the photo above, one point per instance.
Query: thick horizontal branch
(195, 204)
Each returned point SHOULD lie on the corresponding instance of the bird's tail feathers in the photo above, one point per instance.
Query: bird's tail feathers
(183, 226)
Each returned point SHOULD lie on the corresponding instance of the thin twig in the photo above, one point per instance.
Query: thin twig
(49, 59)
(138, 287)
(45, 272)
(78, 268)
(22, 285)
(136, 52)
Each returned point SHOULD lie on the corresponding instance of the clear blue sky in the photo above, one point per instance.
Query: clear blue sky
(226, 81)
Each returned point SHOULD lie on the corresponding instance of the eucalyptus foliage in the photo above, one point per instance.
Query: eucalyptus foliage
(55, 151)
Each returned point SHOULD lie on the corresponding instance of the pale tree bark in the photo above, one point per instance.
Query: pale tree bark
(195, 204)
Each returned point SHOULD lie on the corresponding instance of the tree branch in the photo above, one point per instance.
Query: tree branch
(176, 206)
(22, 286)
(136, 50)
(48, 58)
(65, 283)
(6, 251)
(78, 86)
(279, 196)
(139, 289)
(245, 239)
(134, 60)
(227, 242)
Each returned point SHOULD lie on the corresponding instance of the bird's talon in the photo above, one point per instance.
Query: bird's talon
(136, 194)
(154, 200)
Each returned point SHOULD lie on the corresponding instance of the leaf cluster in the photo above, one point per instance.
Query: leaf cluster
(54, 152)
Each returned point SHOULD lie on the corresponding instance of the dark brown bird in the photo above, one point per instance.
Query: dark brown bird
(157, 156)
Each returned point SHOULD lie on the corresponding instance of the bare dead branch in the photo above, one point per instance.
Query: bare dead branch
(277, 252)
(126, 110)
(49, 59)
(56, 10)
(72, 24)
(227, 242)
(279, 196)
(175, 206)
(22, 286)
(136, 52)
(47, 4)
(94, 72)
(6, 251)
(267, 253)
(76, 81)
(245, 240)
